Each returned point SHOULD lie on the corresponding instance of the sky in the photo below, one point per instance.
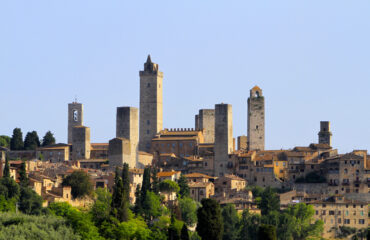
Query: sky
(311, 59)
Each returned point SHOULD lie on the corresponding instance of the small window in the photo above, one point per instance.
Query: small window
(147, 122)
(147, 131)
(256, 126)
(148, 85)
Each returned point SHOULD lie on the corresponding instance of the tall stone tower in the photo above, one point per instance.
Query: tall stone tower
(128, 128)
(81, 143)
(256, 120)
(75, 118)
(206, 120)
(223, 137)
(325, 134)
(151, 106)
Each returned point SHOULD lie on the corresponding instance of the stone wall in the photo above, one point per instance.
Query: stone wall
(207, 123)
(81, 143)
(256, 120)
(75, 118)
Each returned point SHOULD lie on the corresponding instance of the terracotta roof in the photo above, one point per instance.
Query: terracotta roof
(145, 153)
(199, 184)
(234, 177)
(167, 174)
(197, 175)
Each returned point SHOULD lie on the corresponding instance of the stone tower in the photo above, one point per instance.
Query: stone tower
(325, 134)
(151, 107)
(81, 143)
(243, 143)
(127, 127)
(206, 121)
(256, 120)
(223, 137)
(75, 118)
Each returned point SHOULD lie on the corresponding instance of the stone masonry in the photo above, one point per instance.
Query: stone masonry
(75, 118)
(325, 134)
(120, 152)
(256, 120)
(127, 126)
(207, 123)
(81, 143)
(223, 137)
(151, 106)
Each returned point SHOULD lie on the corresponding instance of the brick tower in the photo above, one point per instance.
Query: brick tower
(256, 120)
(151, 107)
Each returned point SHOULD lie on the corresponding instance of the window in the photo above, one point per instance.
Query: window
(339, 220)
(324, 205)
(347, 213)
(147, 122)
(361, 221)
(354, 205)
(345, 170)
(323, 212)
(148, 85)
(147, 131)
(347, 221)
(256, 126)
(362, 213)
(277, 164)
(173, 145)
(331, 212)
(192, 191)
(180, 144)
(317, 212)
(201, 192)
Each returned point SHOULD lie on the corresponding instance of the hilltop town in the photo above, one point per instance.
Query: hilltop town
(216, 165)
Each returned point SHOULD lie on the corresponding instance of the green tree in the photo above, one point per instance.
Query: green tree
(48, 139)
(80, 184)
(152, 207)
(23, 179)
(168, 186)
(155, 181)
(5, 141)
(138, 207)
(30, 202)
(145, 187)
(184, 187)
(249, 225)
(6, 173)
(230, 220)
(9, 188)
(210, 224)
(16, 143)
(270, 201)
(266, 232)
(7, 205)
(184, 233)
(188, 209)
(32, 141)
(173, 233)
(101, 209)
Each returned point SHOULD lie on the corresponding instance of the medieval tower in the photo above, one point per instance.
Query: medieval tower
(151, 105)
(223, 137)
(75, 118)
(325, 134)
(81, 143)
(256, 120)
(206, 122)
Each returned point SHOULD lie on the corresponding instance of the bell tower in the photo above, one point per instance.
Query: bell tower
(151, 106)
(256, 120)
(75, 118)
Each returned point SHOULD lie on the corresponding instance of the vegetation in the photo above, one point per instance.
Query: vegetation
(48, 139)
(169, 186)
(266, 232)
(188, 208)
(230, 220)
(16, 143)
(80, 183)
(184, 187)
(210, 224)
(5, 141)
(32, 141)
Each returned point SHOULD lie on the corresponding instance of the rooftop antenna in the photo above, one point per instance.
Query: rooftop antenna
(75, 98)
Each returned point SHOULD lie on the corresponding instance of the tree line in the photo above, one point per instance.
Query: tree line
(30, 142)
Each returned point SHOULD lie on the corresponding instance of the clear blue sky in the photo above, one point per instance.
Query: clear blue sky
(311, 58)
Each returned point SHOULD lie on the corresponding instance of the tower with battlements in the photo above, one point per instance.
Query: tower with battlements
(151, 106)
(256, 120)
(75, 118)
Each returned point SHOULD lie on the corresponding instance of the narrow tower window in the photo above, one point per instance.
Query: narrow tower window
(148, 85)
(257, 94)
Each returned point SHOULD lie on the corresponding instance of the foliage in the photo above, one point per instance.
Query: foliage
(23, 179)
(266, 232)
(230, 219)
(155, 181)
(173, 233)
(80, 184)
(121, 191)
(270, 201)
(5, 141)
(48, 139)
(248, 226)
(6, 173)
(184, 187)
(312, 177)
(9, 188)
(133, 229)
(152, 207)
(210, 224)
(7, 205)
(30, 202)
(32, 141)
(16, 143)
(188, 209)
(20, 226)
(345, 231)
(101, 209)
(184, 233)
(168, 186)
(79, 221)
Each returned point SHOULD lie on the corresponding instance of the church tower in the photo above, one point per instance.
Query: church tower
(325, 134)
(256, 120)
(151, 106)
(75, 118)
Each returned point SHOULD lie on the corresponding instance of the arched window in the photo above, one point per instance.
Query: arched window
(257, 94)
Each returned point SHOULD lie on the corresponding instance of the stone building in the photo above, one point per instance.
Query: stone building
(75, 118)
(223, 137)
(243, 143)
(54, 153)
(325, 134)
(256, 120)
(120, 153)
(200, 190)
(151, 106)
(80, 143)
(206, 123)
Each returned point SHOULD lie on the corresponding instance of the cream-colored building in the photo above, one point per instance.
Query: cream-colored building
(200, 190)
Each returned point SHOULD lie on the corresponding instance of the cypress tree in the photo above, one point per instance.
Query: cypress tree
(48, 139)
(23, 179)
(210, 224)
(145, 186)
(267, 232)
(125, 193)
(137, 206)
(32, 141)
(6, 172)
(173, 234)
(16, 143)
(184, 233)
(117, 196)
(155, 181)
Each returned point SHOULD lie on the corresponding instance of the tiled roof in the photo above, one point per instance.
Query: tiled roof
(167, 174)
(197, 175)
